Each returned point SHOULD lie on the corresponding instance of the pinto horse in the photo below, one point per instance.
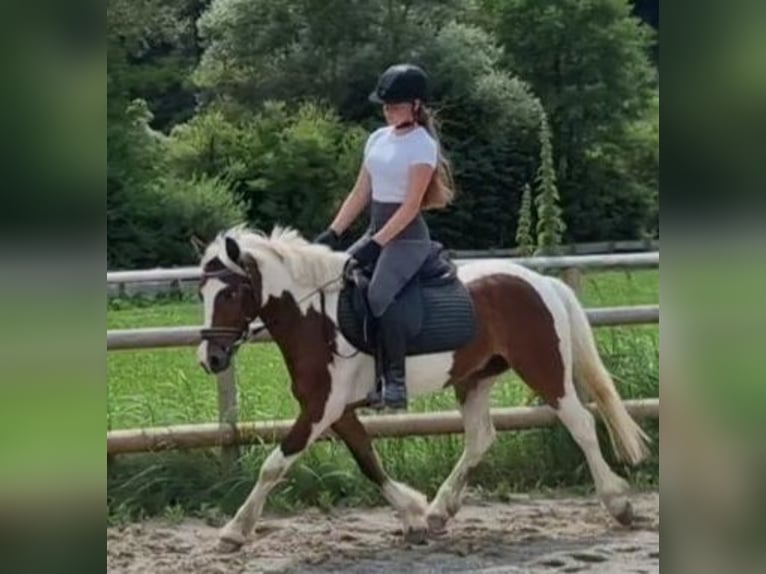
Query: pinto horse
(525, 321)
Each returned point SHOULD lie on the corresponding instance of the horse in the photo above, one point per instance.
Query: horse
(525, 321)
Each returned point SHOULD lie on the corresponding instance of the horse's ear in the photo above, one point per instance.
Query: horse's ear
(198, 245)
(232, 250)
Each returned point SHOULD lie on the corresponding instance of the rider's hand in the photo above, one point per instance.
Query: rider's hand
(328, 237)
(366, 252)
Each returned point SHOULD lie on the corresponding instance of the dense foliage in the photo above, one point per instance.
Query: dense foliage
(228, 110)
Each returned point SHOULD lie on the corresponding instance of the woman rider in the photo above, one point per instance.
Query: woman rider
(403, 173)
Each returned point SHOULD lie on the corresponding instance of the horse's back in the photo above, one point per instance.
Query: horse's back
(514, 285)
(471, 272)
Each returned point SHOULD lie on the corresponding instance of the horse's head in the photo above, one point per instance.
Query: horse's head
(231, 294)
(242, 271)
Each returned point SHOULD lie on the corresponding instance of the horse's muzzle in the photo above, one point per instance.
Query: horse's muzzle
(219, 363)
(213, 358)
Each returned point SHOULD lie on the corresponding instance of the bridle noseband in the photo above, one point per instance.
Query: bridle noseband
(240, 336)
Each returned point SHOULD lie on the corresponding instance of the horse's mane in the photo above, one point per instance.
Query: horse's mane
(309, 264)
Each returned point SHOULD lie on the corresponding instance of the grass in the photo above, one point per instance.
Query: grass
(161, 387)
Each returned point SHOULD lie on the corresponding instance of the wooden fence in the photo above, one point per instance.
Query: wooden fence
(228, 433)
(154, 281)
(393, 425)
(162, 337)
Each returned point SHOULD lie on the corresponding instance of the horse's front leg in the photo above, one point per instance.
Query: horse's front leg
(410, 504)
(301, 435)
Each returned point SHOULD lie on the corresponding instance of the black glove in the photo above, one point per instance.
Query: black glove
(366, 252)
(328, 237)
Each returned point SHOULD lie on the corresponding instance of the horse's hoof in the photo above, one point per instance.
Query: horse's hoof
(228, 544)
(626, 515)
(437, 523)
(416, 535)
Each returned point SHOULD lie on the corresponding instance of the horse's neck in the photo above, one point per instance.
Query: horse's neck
(298, 333)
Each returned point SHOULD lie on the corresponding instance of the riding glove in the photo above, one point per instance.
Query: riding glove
(330, 238)
(366, 252)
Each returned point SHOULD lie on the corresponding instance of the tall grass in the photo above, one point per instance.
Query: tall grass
(162, 387)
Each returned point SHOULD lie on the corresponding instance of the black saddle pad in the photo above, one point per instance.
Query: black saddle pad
(438, 315)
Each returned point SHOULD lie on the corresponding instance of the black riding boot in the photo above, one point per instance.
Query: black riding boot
(390, 357)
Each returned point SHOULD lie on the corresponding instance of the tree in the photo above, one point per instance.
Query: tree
(291, 164)
(134, 70)
(489, 131)
(152, 49)
(524, 239)
(151, 214)
(588, 61)
(550, 226)
(259, 51)
(293, 50)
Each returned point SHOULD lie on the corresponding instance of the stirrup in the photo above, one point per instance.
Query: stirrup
(398, 402)
(378, 400)
(375, 397)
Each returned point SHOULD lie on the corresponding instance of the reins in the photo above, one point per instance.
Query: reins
(242, 335)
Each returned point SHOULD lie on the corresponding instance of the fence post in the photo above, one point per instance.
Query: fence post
(227, 412)
(573, 277)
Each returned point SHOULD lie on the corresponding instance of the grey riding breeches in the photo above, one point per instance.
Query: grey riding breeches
(399, 260)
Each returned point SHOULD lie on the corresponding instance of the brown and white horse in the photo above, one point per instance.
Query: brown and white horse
(527, 322)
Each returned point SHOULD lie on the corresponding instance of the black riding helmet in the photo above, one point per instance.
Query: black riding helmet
(401, 83)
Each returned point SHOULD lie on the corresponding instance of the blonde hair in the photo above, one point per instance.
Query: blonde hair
(441, 189)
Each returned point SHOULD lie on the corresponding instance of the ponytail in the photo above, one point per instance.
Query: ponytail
(441, 189)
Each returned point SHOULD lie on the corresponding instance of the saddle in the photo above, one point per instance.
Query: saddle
(435, 308)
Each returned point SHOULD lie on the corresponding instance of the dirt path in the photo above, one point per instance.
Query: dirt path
(525, 535)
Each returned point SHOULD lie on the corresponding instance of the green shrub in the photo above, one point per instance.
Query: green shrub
(292, 166)
(524, 239)
(155, 224)
(550, 225)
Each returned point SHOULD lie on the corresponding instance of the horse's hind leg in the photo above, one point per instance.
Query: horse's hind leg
(610, 487)
(410, 504)
(473, 397)
(546, 366)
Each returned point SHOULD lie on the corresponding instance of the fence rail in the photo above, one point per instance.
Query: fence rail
(378, 426)
(598, 247)
(163, 337)
(169, 278)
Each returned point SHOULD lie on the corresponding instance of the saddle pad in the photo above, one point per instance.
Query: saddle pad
(440, 317)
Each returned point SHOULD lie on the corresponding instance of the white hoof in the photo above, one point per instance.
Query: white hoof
(620, 508)
(437, 523)
(229, 541)
(416, 534)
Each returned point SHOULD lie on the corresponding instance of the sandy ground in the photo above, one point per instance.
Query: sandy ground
(524, 535)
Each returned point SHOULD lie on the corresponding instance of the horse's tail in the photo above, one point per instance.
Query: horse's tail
(628, 439)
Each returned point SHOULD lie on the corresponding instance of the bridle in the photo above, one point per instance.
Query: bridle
(240, 335)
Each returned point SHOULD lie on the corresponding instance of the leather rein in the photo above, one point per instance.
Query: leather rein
(242, 335)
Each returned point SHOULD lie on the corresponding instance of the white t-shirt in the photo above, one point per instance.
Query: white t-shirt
(388, 157)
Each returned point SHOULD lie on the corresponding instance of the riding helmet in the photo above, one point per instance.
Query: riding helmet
(400, 83)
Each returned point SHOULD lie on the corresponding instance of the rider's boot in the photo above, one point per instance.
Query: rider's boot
(390, 360)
